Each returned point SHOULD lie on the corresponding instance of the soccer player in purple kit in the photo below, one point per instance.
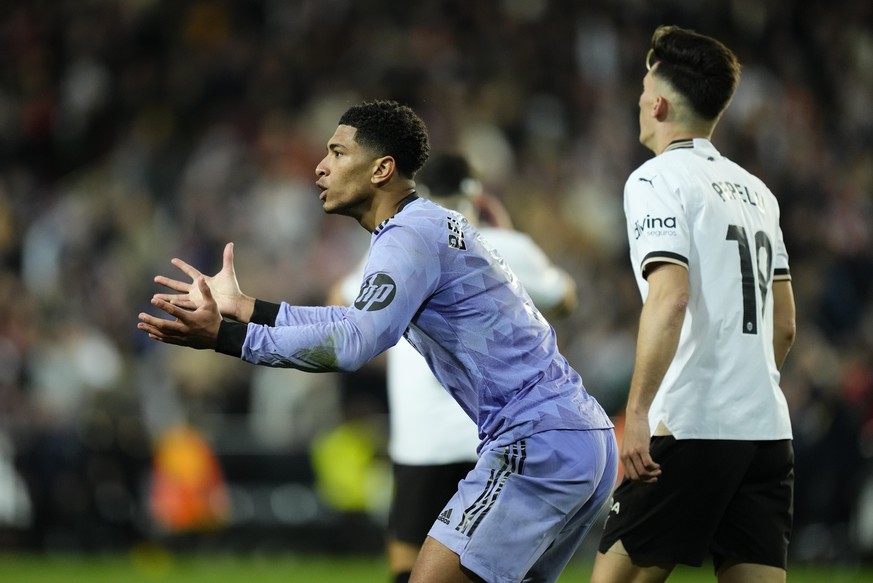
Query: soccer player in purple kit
(547, 457)
(432, 442)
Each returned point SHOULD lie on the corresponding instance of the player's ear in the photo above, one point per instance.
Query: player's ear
(660, 108)
(385, 167)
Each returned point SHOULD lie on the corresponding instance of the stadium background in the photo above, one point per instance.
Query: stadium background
(132, 131)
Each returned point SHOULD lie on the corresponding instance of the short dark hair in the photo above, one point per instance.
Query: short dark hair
(700, 68)
(390, 129)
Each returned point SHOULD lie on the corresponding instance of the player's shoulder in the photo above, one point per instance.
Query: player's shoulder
(424, 225)
(658, 170)
(650, 167)
(677, 165)
(742, 175)
(651, 176)
(419, 215)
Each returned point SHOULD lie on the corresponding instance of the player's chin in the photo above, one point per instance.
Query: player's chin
(334, 208)
(328, 207)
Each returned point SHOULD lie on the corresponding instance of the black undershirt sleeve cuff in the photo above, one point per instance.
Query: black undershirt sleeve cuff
(231, 336)
(264, 313)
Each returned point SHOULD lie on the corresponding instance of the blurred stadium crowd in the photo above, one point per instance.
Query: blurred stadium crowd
(133, 131)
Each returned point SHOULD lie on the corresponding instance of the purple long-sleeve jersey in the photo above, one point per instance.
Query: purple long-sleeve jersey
(431, 277)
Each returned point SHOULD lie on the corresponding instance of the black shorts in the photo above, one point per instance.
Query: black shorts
(420, 493)
(729, 499)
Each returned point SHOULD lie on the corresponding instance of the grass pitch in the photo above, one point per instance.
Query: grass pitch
(154, 565)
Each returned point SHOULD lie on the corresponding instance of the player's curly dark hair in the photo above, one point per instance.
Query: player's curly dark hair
(390, 129)
(699, 67)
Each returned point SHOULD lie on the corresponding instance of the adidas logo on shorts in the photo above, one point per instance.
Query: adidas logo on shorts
(446, 516)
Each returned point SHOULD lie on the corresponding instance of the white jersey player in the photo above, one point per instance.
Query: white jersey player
(706, 449)
(692, 207)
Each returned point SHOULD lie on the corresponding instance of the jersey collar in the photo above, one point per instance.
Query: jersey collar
(679, 144)
(701, 146)
(412, 196)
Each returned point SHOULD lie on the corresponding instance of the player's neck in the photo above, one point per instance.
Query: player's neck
(385, 207)
(664, 140)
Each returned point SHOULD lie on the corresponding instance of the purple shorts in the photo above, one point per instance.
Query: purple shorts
(525, 508)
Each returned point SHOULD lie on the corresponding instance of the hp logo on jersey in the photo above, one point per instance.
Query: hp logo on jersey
(376, 293)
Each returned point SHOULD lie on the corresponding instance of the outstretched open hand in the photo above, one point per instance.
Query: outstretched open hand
(223, 287)
(197, 328)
